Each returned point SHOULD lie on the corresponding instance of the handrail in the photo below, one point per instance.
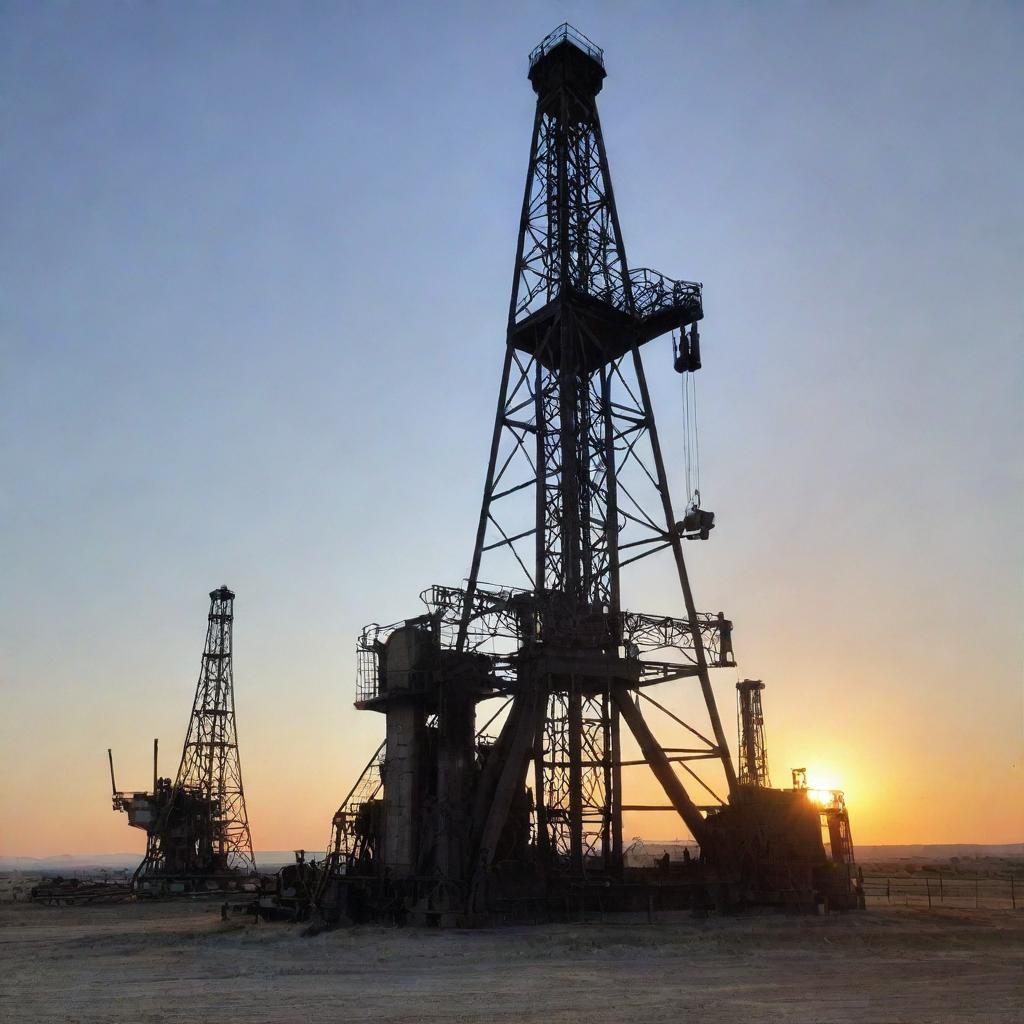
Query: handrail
(565, 33)
(653, 291)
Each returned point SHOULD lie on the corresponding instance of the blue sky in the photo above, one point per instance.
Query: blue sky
(254, 279)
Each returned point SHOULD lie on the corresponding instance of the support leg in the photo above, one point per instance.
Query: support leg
(660, 765)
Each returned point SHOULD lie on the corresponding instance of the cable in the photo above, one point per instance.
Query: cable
(687, 462)
(691, 428)
(696, 432)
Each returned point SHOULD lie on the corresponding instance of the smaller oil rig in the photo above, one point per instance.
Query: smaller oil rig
(197, 831)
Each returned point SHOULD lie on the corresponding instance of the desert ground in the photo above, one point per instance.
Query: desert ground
(180, 962)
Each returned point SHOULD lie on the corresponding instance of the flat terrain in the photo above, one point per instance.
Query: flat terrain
(179, 962)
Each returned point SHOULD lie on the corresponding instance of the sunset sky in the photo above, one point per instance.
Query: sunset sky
(255, 266)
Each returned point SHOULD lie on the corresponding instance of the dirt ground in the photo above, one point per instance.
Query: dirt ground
(179, 962)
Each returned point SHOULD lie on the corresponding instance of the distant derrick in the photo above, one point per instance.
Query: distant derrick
(197, 829)
(753, 753)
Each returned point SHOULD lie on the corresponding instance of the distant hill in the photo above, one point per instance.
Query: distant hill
(71, 861)
(268, 860)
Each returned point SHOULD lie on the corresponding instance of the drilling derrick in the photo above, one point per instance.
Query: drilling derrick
(575, 434)
(446, 821)
(197, 829)
(753, 754)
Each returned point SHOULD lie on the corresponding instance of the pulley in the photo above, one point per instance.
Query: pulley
(693, 356)
(687, 352)
(697, 523)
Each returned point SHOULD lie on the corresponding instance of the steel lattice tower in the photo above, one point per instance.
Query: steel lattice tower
(210, 765)
(446, 820)
(576, 485)
(753, 753)
(197, 828)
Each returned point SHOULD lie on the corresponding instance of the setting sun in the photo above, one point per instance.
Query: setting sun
(825, 797)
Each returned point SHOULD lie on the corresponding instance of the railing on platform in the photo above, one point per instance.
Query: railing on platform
(653, 292)
(565, 33)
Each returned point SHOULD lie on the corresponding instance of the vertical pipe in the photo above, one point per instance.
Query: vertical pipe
(541, 496)
(575, 776)
(585, 495)
(611, 526)
(539, 789)
(156, 744)
(616, 799)
(753, 761)
(606, 781)
(748, 749)
(562, 196)
(568, 369)
(568, 432)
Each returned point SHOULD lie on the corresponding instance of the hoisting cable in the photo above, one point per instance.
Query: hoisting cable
(686, 360)
(688, 438)
(696, 437)
(691, 432)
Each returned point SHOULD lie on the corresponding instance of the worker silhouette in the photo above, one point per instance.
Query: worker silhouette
(725, 656)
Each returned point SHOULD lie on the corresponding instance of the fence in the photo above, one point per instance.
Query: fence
(945, 890)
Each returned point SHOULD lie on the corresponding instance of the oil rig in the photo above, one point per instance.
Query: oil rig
(197, 830)
(518, 715)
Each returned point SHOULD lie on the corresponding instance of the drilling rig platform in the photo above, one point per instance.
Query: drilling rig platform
(197, 830)
(448, 823)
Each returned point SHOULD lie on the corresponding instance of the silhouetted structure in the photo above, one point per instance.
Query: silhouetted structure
(197, 829)
(753, 754)
(447, 821)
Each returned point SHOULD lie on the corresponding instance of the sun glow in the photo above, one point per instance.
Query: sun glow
(825, 797)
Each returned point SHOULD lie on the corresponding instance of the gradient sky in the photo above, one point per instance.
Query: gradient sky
(255, 268)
